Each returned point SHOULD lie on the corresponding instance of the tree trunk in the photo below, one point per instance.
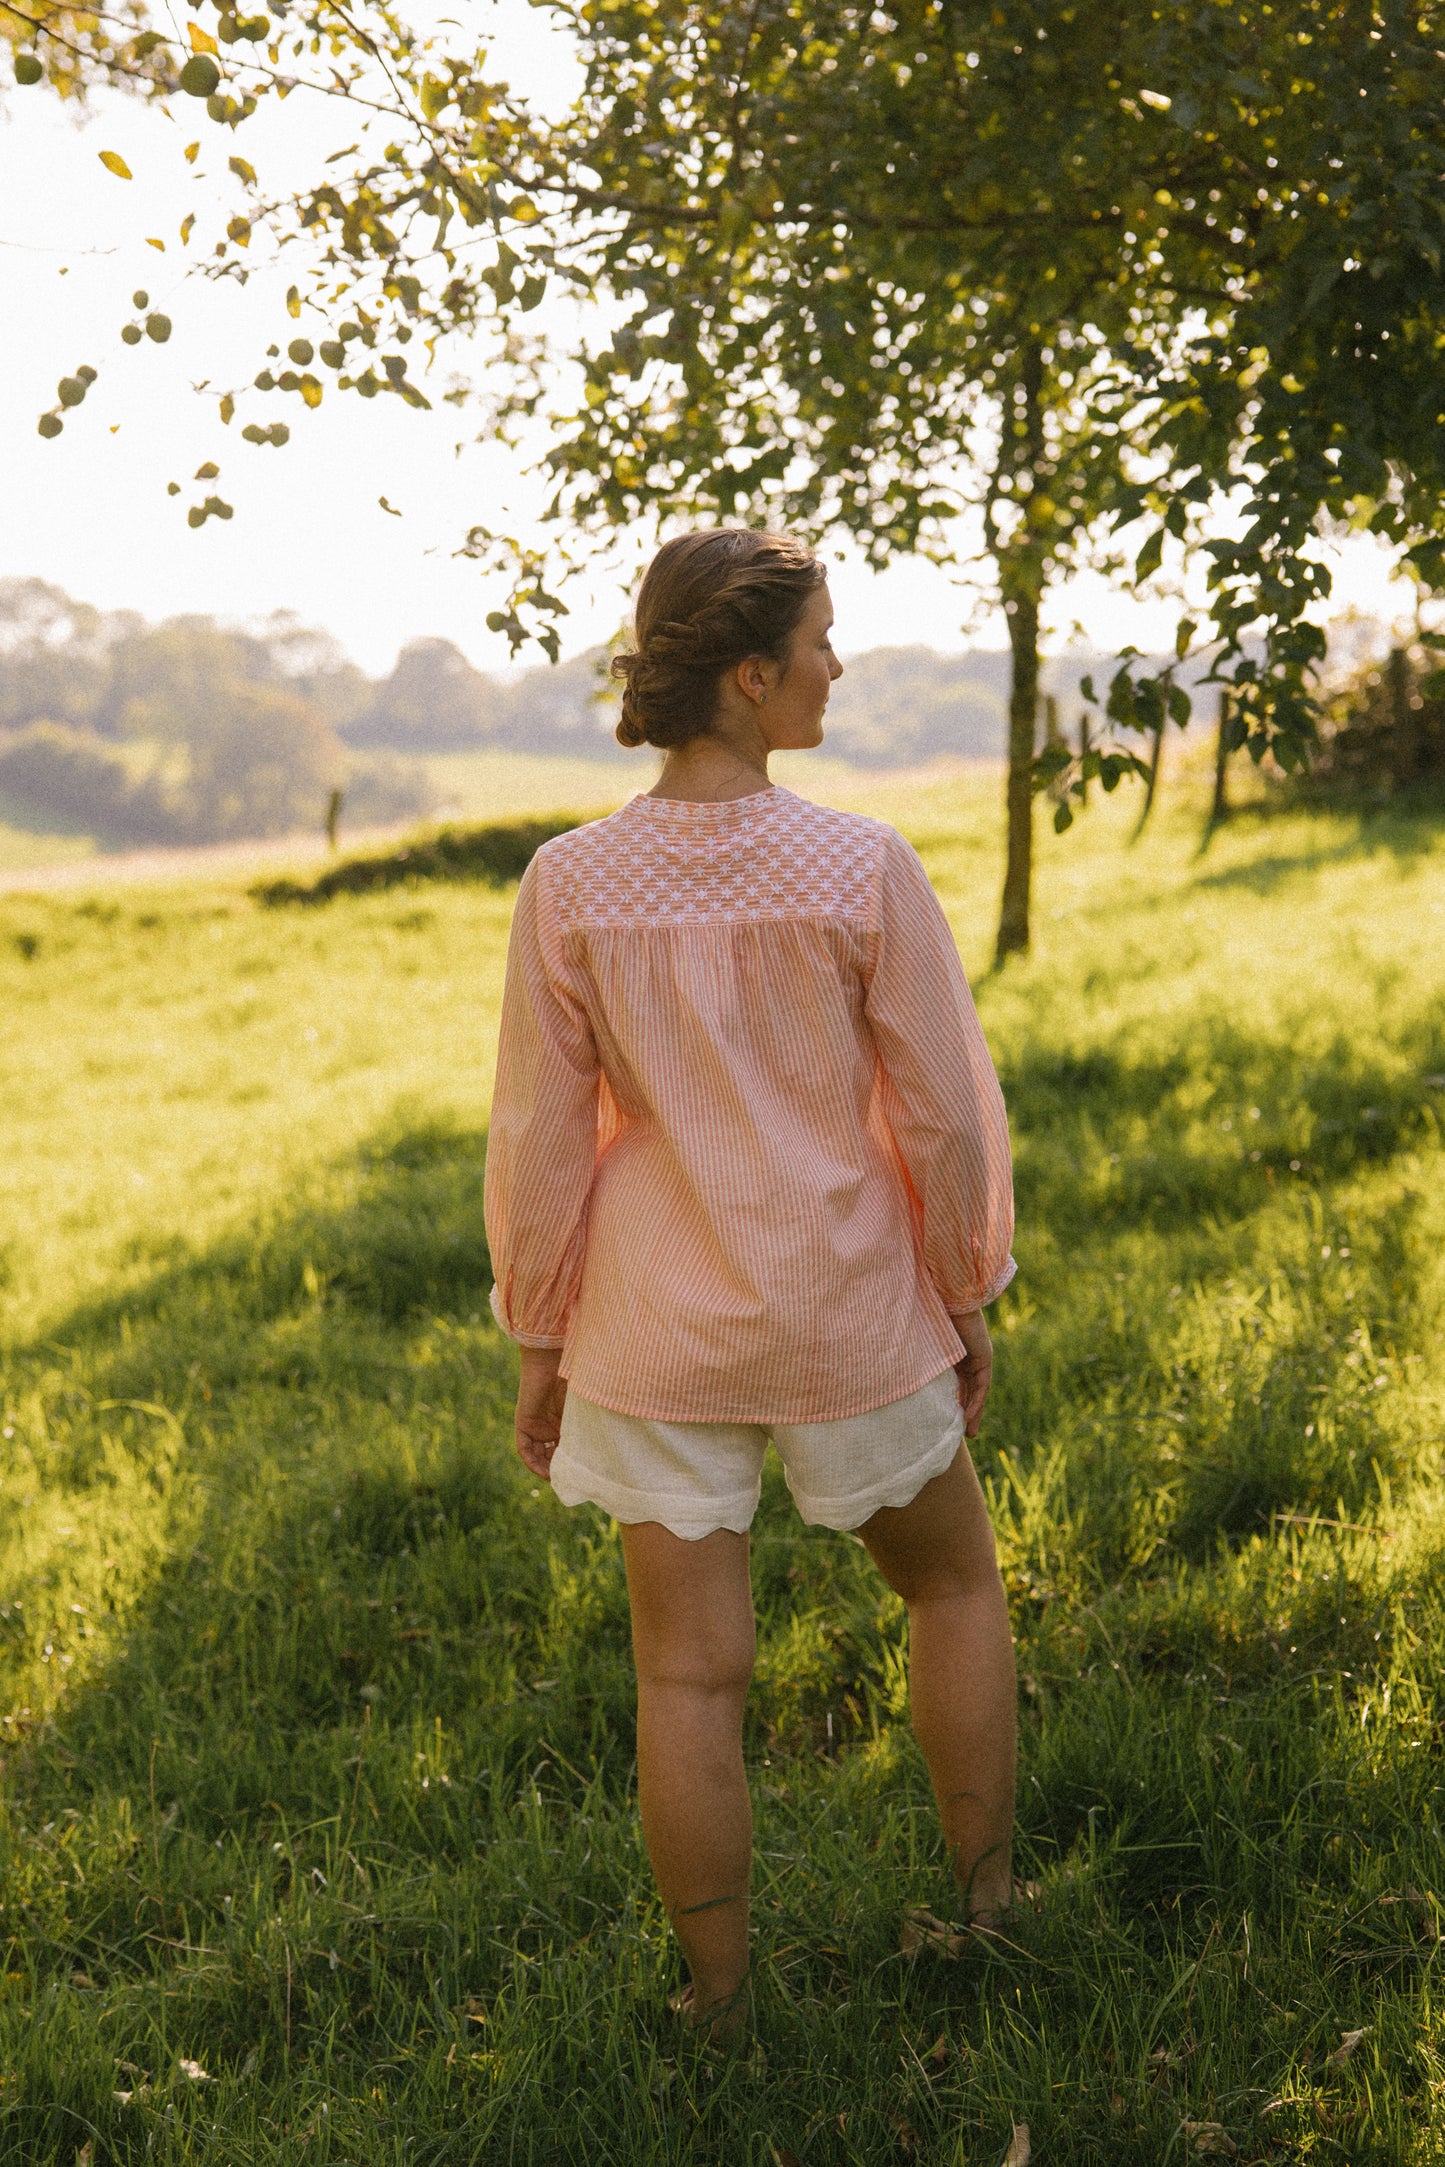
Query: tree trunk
(1151, 788)
(1404, 719)
(1022, 604)
(1219, 805)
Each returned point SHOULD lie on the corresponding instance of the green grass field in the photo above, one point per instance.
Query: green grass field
(316, 1832)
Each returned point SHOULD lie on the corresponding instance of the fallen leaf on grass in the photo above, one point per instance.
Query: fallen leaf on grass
(86, 2153)
(1020, 2150)
(921, 1930)
(906, 2134)
(782, 2157)
(939, 2052)
(1209, 2137)
(474, 2011)
(194, 2071)
(1348, 2043)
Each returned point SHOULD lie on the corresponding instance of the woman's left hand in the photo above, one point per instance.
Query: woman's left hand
(541, 1396)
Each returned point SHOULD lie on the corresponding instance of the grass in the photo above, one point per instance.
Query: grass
(317, 1733)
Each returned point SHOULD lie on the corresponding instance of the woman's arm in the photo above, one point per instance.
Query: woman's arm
(542, 1148)
(938, 1090)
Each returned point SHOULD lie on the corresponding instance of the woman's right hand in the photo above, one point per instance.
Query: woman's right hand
(541, 1396)
(975, 1371)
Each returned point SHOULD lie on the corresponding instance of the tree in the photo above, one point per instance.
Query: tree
(836, 237)
(433, 701)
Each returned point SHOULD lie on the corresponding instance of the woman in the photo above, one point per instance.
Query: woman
(749, 1177)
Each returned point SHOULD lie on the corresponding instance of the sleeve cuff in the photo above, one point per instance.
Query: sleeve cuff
(990, 1293)
(557, 1340)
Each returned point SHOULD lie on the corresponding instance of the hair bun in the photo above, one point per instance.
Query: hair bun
(707, 602)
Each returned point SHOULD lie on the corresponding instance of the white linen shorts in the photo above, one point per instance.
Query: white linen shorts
(697, 1477)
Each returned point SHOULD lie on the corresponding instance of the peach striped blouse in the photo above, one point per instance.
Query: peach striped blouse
(748, 1150)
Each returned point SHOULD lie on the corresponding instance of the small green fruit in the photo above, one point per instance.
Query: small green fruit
(200, 76)
(71, 390)
(158, 328)
(140, 298)
(27, 68)
(50, 425)
(132, 334)
(301, 351)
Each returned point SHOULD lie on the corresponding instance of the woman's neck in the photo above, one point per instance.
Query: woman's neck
(730, 761)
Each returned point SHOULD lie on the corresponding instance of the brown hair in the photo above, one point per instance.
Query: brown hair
(707, 602)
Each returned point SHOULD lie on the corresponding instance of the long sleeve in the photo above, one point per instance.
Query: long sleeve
(542, 1149)
(937, 1089)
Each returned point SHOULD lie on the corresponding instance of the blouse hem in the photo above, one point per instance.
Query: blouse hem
(862, 1401)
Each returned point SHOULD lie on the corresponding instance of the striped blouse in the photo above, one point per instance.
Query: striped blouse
(748, 1151)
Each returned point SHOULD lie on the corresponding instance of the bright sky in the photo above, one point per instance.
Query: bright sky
(89, 510)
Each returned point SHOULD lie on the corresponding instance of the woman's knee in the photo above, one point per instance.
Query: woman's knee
(717, 1663)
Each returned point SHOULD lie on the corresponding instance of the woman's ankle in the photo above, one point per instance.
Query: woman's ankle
(720, 2017)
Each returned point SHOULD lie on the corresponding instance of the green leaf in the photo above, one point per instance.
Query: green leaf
(243, 171)
(207, 473)
(1150, 556)
(1184, 636)
(1063, 817)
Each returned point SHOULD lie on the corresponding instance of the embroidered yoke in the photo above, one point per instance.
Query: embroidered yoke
(748, 1150)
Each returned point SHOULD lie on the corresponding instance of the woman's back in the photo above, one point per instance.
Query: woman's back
(748, 1149)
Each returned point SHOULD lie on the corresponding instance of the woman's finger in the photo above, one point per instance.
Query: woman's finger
(536, 1454)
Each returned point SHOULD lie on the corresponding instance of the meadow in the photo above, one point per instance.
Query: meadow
(317, 1839)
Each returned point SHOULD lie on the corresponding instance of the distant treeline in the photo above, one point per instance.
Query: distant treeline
(193, 731)
(182, 732)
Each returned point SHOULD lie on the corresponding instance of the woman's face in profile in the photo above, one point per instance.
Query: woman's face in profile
(792, 719)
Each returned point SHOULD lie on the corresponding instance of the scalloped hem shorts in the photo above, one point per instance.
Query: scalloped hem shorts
(697, 1477)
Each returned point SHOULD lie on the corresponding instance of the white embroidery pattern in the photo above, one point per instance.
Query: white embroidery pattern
(667, 863)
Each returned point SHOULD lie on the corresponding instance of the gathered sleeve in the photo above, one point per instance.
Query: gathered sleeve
(937, 1088)
(542, 1148)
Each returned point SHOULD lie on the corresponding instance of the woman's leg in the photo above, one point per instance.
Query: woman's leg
(694, 1639)
(938, 1554)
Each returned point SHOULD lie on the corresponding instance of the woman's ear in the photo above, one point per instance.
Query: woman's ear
(752, 680)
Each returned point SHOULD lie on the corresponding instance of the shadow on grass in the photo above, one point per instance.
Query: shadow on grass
(345, 1805)
(1407, 829)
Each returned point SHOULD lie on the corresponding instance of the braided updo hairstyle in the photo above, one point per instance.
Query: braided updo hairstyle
(708, 601)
